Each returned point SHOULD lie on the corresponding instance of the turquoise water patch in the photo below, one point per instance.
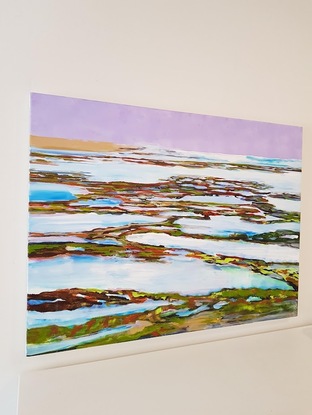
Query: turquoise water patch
(107, 241)
(50, 196)
(99, 202)
(53, 192)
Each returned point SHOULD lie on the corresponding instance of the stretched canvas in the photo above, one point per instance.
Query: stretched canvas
(146, 222)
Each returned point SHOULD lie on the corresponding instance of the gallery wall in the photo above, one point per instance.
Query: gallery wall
(246, 59)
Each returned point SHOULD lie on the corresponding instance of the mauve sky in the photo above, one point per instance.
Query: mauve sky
(72, 118)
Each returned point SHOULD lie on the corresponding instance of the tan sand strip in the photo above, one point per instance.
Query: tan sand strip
(72, 144)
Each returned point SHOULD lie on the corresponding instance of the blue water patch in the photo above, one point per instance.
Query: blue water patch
(220, 304)
(39, 302)
(274, 161)
(187, 313)
(53, 192)
(82, 315)
(50, 196)
(107, 241)
(99, 202)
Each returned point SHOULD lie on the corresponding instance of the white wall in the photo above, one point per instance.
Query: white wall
(245, 58)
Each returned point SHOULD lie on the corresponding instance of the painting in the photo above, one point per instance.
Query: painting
(147, 222)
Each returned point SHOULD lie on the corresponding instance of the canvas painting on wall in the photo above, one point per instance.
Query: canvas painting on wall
(145, 223)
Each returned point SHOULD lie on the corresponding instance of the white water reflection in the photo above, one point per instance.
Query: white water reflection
(82, 315)
(249, 250)
(175, 274)
(62, 222)
(116, 169)
(226, 225)
(158, 153)
(284, 204)
(222, 200)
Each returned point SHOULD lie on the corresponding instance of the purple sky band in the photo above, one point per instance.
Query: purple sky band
(73, 118)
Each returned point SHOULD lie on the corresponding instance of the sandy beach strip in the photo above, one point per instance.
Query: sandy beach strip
(72, 144)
